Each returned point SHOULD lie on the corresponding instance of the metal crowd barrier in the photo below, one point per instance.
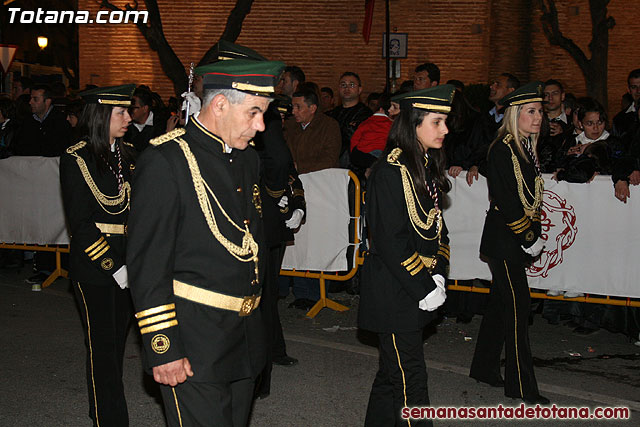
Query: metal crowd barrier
(58, 249)
(340, 277)
(607, 300)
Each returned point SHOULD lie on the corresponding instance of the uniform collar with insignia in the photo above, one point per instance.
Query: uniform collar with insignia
(211, 135)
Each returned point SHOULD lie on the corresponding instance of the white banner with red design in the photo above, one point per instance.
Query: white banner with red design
(592, 238)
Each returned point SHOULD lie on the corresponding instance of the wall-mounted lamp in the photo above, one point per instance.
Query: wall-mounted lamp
(43, 42)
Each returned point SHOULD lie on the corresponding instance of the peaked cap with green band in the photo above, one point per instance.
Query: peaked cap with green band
(258, 78)
(531, 92)
(117, 96)
(226, 50)
(435, 99)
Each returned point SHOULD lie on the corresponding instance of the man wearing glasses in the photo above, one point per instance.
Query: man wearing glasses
(351, 113)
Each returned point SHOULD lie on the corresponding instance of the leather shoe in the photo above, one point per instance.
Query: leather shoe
(536, 400)
(497, 383)
(285, 361)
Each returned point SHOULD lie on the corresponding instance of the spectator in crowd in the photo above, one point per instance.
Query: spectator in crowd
(73, 111)
(426, 75)
(312, 86)
(47, 132)
(456, 144)
(556, 127)
(487, 124)
(370, 138)
(146, 124)
(351, 113)
(293, 77)
(8, 127)
(512, 236)
(458, 85)
(626, 169)
(623, 121)
(21, 86)
(403, 277)
(372, 101)
(326, 99)
(312, 137)
(95, 176)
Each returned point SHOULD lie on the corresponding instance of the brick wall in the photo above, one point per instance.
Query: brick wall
(471, 40)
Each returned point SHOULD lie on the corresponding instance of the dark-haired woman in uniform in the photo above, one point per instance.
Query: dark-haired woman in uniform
(403, 280)
(95, 175)
(511, 238)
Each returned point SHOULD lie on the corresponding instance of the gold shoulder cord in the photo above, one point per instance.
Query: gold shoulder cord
(411, 197)
(102, 199)
(529, 208)
(249, 249)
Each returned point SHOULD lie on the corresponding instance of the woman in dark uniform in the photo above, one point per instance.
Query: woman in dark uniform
(95, 175)
(511, 238)
(404, 273)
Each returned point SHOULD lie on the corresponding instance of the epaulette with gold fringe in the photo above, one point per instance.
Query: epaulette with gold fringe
(76, 147)
(507, 138)
(167, 136)
(394, 155)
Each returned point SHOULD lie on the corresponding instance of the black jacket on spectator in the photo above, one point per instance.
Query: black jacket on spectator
(49, 138)
(580, 169)
(483, 133)
(349, 119)
(630, 159)
(548, 146)
(140, 139)
(624, 122)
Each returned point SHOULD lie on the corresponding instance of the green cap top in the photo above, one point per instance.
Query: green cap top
(225, 50)
(254, 77)
(531, 92)
(435, 99)
(117, 96)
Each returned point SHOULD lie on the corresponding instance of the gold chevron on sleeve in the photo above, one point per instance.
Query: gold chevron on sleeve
(156, 319)
(96, 243)
(276, 194)
(522, 227)
(98, 248)
(298, 192)
(155, 310)
(102, 252)
(417, 269)
(410, 259)
(444, 251)
(158, 327)
(518, 222)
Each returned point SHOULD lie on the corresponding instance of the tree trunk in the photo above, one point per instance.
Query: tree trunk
(232, 29)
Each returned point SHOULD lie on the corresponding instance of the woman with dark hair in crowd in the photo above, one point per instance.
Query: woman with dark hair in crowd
(95, 175)
(512, 236)
(8, 127)
(403, 278)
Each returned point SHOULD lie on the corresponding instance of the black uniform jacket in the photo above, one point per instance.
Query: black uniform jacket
(97, 237)
(506, 227)
(278, 178)
(170, 240)
(394, 276)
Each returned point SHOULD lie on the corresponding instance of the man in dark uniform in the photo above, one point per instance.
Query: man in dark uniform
(196, 250)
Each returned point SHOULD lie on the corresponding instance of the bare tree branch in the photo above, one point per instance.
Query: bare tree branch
(232, 29)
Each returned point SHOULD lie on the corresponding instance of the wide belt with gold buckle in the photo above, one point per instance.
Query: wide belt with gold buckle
(242, 305)
(112, 228)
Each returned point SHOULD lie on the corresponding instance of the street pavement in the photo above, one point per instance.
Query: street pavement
(42, 366)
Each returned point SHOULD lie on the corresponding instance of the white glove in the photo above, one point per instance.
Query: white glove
(535, 249)
(295, 220)
(192, 99)
(439, 281)
(284, 201)
(122, 277)
(434, 300)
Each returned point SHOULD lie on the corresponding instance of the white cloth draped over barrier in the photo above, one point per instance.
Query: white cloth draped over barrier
(592, 237)
(32, 210)
(322, 241)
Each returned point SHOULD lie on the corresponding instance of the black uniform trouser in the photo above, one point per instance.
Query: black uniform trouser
(506, 322)
(276, 346)
(193, 404)
(106, 314)
(401, 380)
